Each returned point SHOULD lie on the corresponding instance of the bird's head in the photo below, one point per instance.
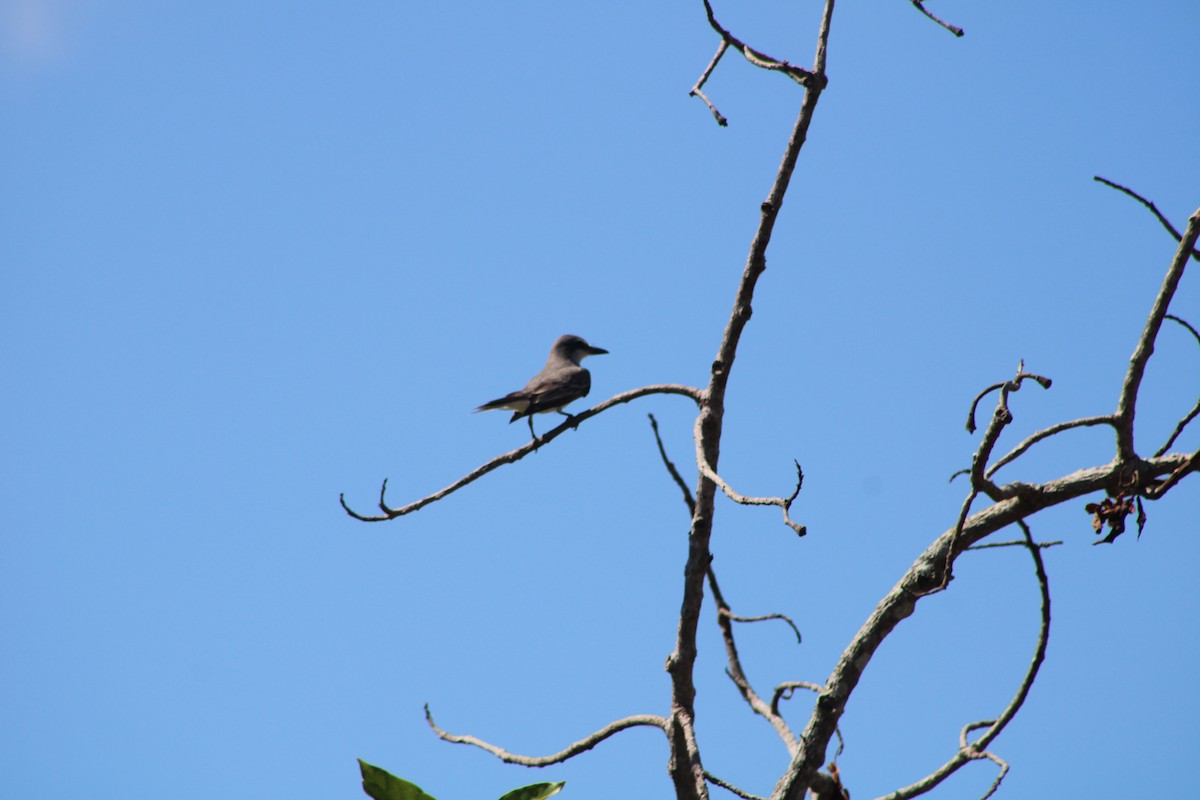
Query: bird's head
(574, 348)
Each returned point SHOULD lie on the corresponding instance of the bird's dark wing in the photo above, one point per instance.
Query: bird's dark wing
(551, 391)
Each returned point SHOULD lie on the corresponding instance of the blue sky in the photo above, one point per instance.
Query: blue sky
(254, 256)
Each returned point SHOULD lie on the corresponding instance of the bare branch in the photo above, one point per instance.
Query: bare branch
(755, 57)
(697, 90)
(785, 690)
(764, 618)
(1183, 423)
(970, 751)
(738, 675)
(784, 503)
(1184, 323)
(671, 470)
(1045, 433)
(1191, 464)
(1148, 204)
(583, 745)
(1145, 346)
(957, 31)
(516, 455)
(684, 766)
(1191, 415)
(901, 601)
(742, 793)
(1000, 418)
(1015, 543)
(1005, 387)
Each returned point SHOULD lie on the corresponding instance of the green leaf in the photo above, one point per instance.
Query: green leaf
(383, 785)
(535, 791)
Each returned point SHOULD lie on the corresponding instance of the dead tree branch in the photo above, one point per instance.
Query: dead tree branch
(971, 751)
(920, 6)
(924, 574)
(729, 787)
(697, 90)
(758, 58)
(511, 456)
(685, 767)
(1045, 433)
(584, 744)
(769, 712)
(671, 469)
(1145, 346)
(1191, 415)
(784, 503)
(1166, 223)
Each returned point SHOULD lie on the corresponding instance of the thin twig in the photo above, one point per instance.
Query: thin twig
(1191, 415)
(900, 602)
(1145, 346)
(1166, 223)
(671, 470)
(736, 674)
(957, 31)
(971, 751)
(516, 455)
(697, 90)
(1014, 543)
(759, 58)
(787, 689)
(1192, 464)
(764, 618)
(784, 503)
(742, 793)
(1034, 438)
(587, 743)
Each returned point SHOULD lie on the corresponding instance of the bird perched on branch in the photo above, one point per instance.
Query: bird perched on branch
(560, 381)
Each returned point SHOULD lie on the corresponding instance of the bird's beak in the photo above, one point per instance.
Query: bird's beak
(596, 351)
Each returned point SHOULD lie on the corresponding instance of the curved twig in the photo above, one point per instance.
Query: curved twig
(757, 57)
(920, 6)
(736, 674)
(980, 482)
(784, 503)
(785, 691)
(1034, 438)
(1145, 346)
(1166, 223)
(1005, 387)
(1183, 423)
(764, 618)
(671, 469)
(970, 751)
(901, 600)
(1191, 415)
(583, 745)
(729, 787)
(1190, 464)
(511, 456)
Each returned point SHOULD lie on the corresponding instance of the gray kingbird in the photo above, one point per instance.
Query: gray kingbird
(560, 381)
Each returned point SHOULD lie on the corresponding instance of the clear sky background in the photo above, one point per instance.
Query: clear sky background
(256, 254)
